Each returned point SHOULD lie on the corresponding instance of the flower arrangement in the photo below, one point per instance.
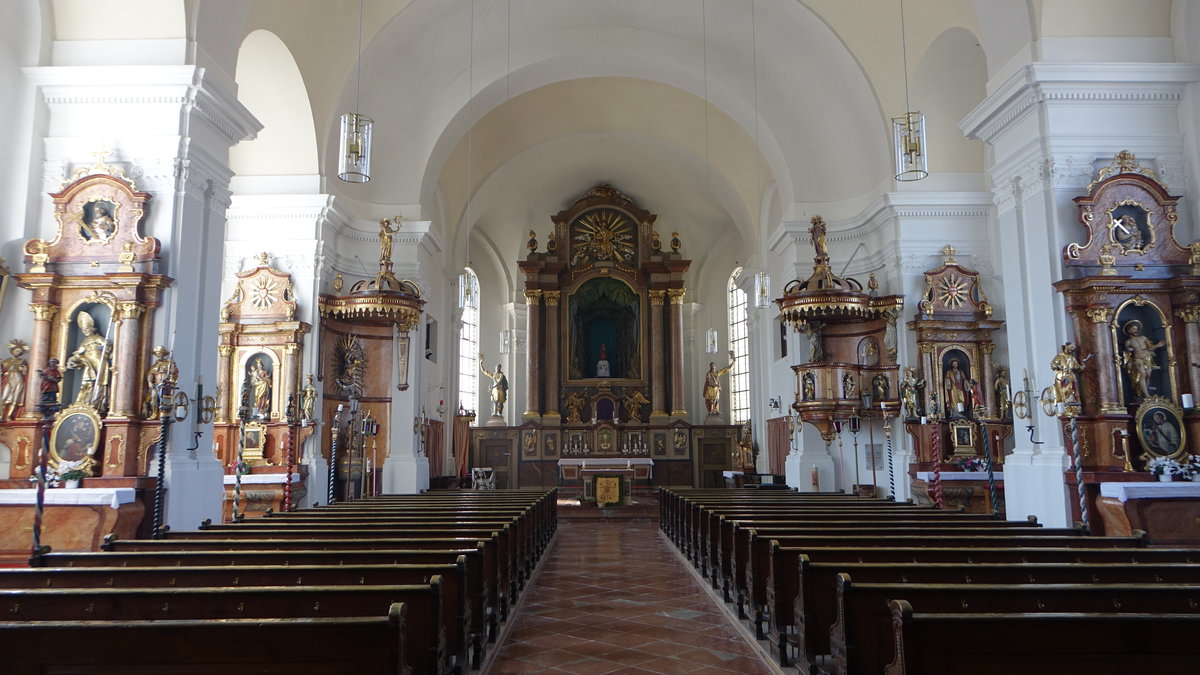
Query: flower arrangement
(1164, 466)
(74, 473)
(1191, 469)
(970, 464)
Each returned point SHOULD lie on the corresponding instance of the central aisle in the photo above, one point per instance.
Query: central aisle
(615, 598)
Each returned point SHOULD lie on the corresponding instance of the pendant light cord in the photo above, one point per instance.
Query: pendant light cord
(358, 63)
(904, 60)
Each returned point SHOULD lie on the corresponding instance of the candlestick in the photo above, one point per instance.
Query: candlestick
(1188, 401)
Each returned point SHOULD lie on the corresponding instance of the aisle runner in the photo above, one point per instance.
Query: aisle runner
(613, 597)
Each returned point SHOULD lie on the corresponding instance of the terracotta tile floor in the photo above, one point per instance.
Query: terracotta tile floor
(615, 598)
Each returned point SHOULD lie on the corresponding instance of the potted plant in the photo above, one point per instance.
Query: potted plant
(71, 477)
(1191, 469)
(1165, 468)
(970, 464)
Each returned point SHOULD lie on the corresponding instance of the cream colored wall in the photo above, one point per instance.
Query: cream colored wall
(270, 85)
(1103, 18)
(119, 19)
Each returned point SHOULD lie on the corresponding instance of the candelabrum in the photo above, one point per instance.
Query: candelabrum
(49, 406)
(240, 467)
(294, 419)
(171, 406)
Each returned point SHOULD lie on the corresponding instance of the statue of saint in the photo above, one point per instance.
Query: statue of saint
(1003, 393)
(813, 330)
(92, 359)
(161, 371)
(889, 333)
(817, 230)
(910, 392)
(575, 405)
(308, 400)
(954, 382)
(1139, 357)
(810, 386)
(12, 390)
(602, 367)
(849, 386)
(499, 387)
(259, 382)
(880, 387)
(976, 394)
(51, 377)
(1066, 369)
(386, 233)
(100, 226)
(712, 385)
(633, 405)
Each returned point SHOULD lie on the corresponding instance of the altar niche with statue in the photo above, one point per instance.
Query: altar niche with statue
(605, 366)
(96, 285)
(258, 378)
(1133, 293)
(957, 402)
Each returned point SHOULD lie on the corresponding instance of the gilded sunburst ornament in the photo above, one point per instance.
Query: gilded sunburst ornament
(952, 291)
(265, 292)
(603, 234)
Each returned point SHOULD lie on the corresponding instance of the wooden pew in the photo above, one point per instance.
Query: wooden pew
(361, 645)
(493, 583)
(1041, 644)
(757, 552)
(861, 639)
(456, 610)
(804, 628)
(424, 639)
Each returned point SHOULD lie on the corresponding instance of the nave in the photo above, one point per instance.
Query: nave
(615, 597)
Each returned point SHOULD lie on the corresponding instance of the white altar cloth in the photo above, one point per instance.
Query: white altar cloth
(111, 497)
(260, 478)
(960, 475)
(1126, 491)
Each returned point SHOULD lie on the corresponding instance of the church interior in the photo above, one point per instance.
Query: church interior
(717, 283)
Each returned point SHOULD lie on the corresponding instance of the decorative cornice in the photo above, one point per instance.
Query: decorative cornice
(1072, 82)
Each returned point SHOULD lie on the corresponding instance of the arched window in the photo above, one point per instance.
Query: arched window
(468, 341)
(739, 375)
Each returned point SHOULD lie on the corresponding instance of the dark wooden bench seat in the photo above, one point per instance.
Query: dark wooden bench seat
(424, 637)
(281, 646)
(751, 593)
(802, 611)
(457, 607)
(493, 583)
(861, 639)
(1041, 644)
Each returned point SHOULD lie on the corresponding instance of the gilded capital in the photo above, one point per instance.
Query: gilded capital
(925, 347)
(532, 296)
(987, 347)
(676, 295)
(131, 309)
(1188, 314)
(656, 298)
(43, 311)
(225, 351)
(1099, 314)
(291, 348)
(551, 298)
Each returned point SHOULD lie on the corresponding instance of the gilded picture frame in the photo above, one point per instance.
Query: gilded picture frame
(962, 435)
(1160, 429)
(75, 437)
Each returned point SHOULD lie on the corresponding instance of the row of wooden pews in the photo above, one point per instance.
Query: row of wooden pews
(847, 585)
(392, 584)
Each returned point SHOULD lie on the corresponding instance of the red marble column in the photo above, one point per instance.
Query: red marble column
(1107, 379)
(128, 375)
(225, 352)
(658, 382)
(553, 345)
(1190, 316)
(987, 380)
(533, 353)
(39, 352)
(678, 407)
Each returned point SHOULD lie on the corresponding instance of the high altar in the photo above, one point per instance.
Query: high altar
(606, 362)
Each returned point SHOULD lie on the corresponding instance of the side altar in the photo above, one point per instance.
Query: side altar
(605, 373)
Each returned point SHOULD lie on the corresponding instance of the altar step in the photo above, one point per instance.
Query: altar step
(642, 508)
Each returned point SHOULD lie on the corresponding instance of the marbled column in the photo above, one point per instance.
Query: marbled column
(658, 383)
(932, 386)
(225, 352)
(1108, 381)
(1190, 348)
(128, 376)
(533, 353)
(988, 380)
(39, 352)
(287, 383)
(553, 345)
(676, 327)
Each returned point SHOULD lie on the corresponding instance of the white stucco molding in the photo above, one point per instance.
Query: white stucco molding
(1076, 82)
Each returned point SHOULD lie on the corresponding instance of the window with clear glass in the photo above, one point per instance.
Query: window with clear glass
(739, 375)
(468, 342)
